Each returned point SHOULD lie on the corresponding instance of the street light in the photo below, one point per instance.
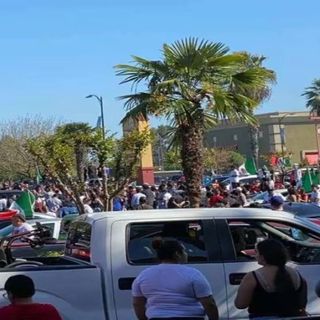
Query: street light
(101, 110)
(281, 130)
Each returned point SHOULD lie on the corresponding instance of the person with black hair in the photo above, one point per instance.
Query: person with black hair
(275, 290)
(19, 291)
(143, 205)
(172, 290)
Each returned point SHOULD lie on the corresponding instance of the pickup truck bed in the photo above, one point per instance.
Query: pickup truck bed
(65, 282)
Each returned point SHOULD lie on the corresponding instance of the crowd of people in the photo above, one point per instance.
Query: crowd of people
(169, 194)
(171, 289)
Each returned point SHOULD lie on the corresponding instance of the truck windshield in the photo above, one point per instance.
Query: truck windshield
(79, 240)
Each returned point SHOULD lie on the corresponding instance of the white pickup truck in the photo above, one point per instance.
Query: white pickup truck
(106, 251)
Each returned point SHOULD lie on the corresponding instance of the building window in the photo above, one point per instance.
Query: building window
(260, 134)
(235, 137)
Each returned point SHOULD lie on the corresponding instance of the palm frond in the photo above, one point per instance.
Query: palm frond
(312, 95)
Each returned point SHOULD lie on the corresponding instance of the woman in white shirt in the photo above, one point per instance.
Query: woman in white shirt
(172, 290)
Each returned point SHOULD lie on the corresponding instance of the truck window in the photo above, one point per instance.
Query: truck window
(141, 235)
(303, 245)
(79, 240)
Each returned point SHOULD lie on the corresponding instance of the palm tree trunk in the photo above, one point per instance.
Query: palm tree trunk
(192, 162)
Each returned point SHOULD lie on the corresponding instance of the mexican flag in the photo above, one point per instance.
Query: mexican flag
(25, 204)
(315, 177)
(307, 181)
(250, 166)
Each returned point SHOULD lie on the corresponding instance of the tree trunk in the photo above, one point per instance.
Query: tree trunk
(192, 162)
(80, 162)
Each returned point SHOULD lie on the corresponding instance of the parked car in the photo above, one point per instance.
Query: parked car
(105, 252)
(260, 197)
(242, 180)
(22, 249)
(53, 224)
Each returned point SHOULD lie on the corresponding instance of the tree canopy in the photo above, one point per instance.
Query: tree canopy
(194, 85)
(312, 95)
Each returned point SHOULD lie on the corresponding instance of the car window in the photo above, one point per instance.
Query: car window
(141, 235)
(247, 180)
(79, 240)
(4, 232)
(49, 225)
(245, 235)
(302, 244)
(297, 233)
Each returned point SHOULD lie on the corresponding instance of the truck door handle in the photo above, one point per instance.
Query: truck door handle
(235, 278)
(125, 283)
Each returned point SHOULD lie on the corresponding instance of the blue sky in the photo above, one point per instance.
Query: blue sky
(55, 52)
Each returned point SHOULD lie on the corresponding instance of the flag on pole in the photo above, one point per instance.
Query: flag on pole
(24, 204)
(287, 162)
(315, 177)
(250, 166)
(38, 175)
(243, 171)
(307, 181)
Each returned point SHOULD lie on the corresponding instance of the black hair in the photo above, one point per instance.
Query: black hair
(20, 286)
(276, 254)
(166, 249)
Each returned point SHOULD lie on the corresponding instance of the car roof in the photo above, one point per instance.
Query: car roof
(197, 213)
(44, 220)
(10, 192)
(250, 176)
(302, 209)
(38, 215)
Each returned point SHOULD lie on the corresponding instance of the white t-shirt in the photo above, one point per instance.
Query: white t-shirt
(172, 290)
(25, 227)
(87, 208)
(3, 204)
(315, 196)
(234, 176)
(135, 201)
(267, 197)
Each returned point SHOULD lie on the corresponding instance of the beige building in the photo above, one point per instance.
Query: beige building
(279, 132)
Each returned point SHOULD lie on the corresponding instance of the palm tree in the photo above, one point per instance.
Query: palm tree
(313, 97)
(260, 94)
(196, 84)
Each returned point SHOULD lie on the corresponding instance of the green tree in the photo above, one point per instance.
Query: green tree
(15, 162)
(194, 85)
(57, 155)
(312, 95)
(259, 94)
(122, 156)
(79, 137)
(172, 160)
(221, 160)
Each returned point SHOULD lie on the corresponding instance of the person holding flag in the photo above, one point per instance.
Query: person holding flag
(25, 204)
